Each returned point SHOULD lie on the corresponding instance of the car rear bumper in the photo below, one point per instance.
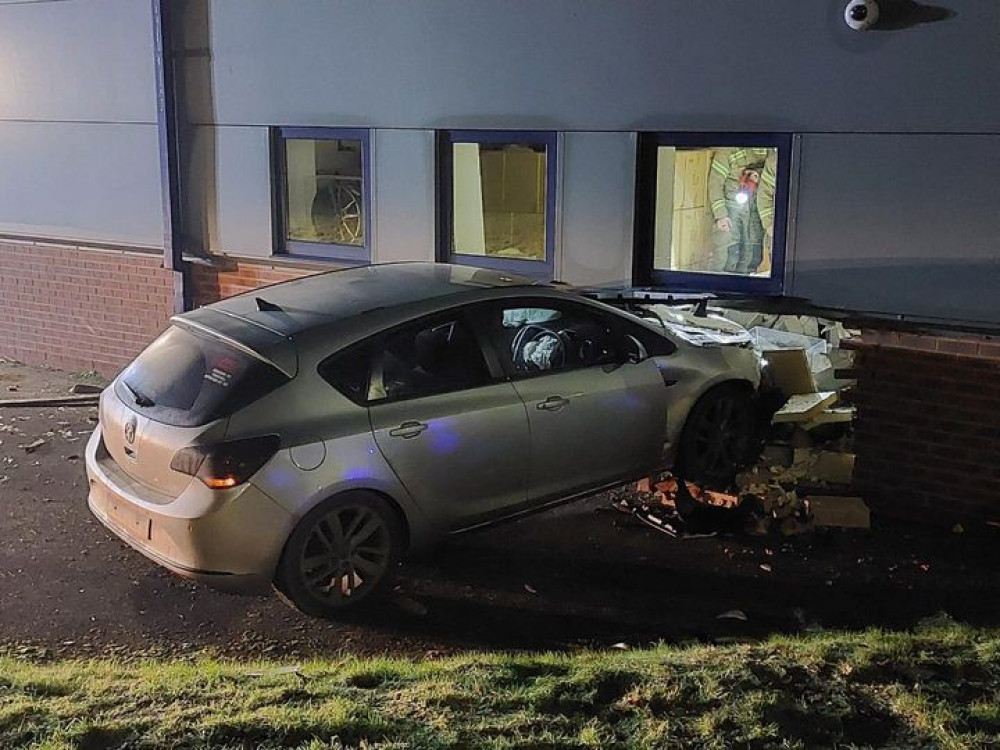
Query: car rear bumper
(233, 544)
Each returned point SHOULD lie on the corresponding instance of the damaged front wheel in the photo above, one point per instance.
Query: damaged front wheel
(716, 440)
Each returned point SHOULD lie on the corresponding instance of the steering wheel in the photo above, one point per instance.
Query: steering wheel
(584, 347)
(532, 333)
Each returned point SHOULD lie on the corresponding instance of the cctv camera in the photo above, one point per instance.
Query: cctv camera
(861, 14)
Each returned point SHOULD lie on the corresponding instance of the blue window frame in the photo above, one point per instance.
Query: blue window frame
(496, 200)
(711, 211)
(322, 202)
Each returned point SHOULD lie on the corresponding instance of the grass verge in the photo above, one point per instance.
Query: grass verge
(935, 688)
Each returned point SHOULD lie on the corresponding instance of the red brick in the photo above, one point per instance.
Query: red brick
(917, 342)
(212, 283)
(63, 305)
(958, 346)
(989, 350)
(929, 426)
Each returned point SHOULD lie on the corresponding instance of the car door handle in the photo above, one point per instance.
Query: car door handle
(552, 403)
(408, 430)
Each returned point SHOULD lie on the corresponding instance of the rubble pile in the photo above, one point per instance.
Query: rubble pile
(803, 476)
(678, 508)
(809, 447)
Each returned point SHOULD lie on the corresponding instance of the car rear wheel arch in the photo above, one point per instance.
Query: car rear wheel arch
(397, 509)
(394, 505)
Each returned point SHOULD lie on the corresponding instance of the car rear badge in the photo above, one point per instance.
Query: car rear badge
(130, 430)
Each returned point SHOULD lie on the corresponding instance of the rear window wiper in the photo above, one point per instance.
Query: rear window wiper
(141, 399)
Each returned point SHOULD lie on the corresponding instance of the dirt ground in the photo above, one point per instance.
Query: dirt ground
(581, 575)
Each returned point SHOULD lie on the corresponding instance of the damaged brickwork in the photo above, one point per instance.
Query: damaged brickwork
(225, 277)
(928, 431)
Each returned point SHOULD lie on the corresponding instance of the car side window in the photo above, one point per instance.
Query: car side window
(541, 338)
(640, 342)
(349, 372)
(427, 358)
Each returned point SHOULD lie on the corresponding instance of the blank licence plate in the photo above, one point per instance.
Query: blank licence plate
(129, 518)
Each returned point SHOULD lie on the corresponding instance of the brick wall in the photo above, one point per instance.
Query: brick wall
(928, 437)
(227, 277)
(80, 308)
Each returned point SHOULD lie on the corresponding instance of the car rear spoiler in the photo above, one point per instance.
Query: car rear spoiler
(254, 339)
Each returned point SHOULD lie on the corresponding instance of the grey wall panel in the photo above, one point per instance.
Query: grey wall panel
(228, 200)
(784, 65)
(193, 62)
(598, 191)
(404, 195)
(243, 183)
(77, 60)
(198, 193)
(81, 181)
(900, 224)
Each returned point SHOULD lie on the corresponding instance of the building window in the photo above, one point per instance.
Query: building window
(711, 211)
(324, 193)
(496, 200)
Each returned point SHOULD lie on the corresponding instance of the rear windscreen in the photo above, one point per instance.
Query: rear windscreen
(188, 380)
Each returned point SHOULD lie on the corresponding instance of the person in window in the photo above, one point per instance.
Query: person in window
(733, 183)
(765, 199)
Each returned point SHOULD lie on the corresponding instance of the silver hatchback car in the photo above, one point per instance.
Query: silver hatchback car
(307, 435)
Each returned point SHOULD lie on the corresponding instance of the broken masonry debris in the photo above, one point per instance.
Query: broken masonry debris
(86, 389)
(80, 400)
(32, 446)
(845, 512)
(804, 407)
(803, 477)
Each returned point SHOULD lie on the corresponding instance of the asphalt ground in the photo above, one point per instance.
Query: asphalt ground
(583, 575)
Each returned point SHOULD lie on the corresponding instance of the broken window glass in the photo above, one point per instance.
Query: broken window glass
(325, 191)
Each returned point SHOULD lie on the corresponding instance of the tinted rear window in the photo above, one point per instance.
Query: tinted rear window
(349, 372)
(187, 380)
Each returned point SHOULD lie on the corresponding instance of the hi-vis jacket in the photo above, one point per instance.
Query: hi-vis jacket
(766, 190)
(728, 165)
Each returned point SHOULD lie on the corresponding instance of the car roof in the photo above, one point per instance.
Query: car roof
(336, 295)
(344, 305)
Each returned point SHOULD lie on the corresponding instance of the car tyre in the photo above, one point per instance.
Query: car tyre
(718, 436)
(341, 555)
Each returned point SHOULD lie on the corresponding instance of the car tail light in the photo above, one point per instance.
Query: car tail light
(225, 465)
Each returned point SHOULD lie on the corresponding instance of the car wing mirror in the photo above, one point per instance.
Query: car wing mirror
(624, 358)
(632, 351)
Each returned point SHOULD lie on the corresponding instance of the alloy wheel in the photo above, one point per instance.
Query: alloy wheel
(346, 553)
(720, 438)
